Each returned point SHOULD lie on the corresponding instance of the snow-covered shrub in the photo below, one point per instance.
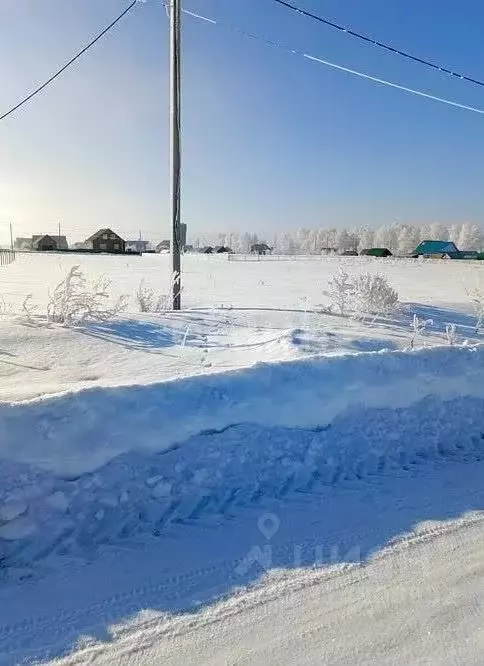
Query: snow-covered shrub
(372, 296)
(477, 298)
(340, 289)
(418, 327)
(150, 301)
(75, 301)
(29, 309)
(362, 295)
(5, 308)
(451, 334)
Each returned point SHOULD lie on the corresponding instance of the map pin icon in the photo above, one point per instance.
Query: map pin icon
(268, 525)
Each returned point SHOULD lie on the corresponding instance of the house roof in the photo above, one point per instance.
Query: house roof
(462, 255)
(435, 247)
(376, 252)
(37, 239)
(100, 233)
(60, 241)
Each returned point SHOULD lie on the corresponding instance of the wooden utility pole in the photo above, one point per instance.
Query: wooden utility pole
(175, 19)
(11, 237)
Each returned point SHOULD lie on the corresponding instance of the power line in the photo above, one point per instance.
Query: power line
(332, 65)
(68, 64)
(381, 45)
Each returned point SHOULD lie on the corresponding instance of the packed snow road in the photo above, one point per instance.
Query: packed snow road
(292, 515)
(411, 605)
(383, 571)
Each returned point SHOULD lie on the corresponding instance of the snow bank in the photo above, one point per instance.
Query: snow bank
(75, 433)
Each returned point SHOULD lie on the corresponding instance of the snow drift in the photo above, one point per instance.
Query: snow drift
(75, 433)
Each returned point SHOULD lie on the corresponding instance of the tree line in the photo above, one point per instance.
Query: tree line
(399, 238)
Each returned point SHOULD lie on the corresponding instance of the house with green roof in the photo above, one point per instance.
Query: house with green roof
(435, 249)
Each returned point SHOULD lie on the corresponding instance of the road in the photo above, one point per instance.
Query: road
(419, 603)
(386, 569)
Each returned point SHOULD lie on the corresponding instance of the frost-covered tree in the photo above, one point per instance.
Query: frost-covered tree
(387, 237)
(343, 241)
(470, 237)
(366, 238)
(408, 238)
(439, 231)
(399, 238)
(454, 233)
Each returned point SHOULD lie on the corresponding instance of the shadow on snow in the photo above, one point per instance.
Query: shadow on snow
(249, 500)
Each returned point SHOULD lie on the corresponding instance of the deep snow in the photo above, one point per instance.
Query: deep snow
(236, 314)
(78, 432)
(320, 501)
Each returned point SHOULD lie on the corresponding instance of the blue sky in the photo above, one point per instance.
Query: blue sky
(270, 140)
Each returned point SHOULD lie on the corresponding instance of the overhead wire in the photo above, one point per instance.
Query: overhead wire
(279, 45)
(69, 63)
(332, 65)
(377, 43)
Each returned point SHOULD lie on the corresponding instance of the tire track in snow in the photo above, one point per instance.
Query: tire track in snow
(212, 508)
(178, 586)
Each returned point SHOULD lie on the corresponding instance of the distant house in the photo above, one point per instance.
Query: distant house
(223, 250)
(435, 249)
(207, 250)
(348, 253)
(137, 245)
(80, 245)
(376, 252)
(47, 243)
(470, 254)
(43, 243)
(164, 246)
(329, 250)
(260, 249)
(105, 240)
(23, 243)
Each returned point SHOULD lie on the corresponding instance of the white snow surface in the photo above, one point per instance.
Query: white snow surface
(235, 315)
(249, 481)
(79, 432)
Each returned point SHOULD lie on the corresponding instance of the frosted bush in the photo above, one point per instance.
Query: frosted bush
(372, 296)
(75, 301)
(419, 327)
(5, 308)
(365, 295)
(451, 334)
(340, 290)
(477, 299)
(149, 301)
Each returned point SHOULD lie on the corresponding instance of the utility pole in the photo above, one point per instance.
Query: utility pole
(175, 19)
(58, 233)
(11, 237)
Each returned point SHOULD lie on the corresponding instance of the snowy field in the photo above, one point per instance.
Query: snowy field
(257, 479)
(235, 314)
